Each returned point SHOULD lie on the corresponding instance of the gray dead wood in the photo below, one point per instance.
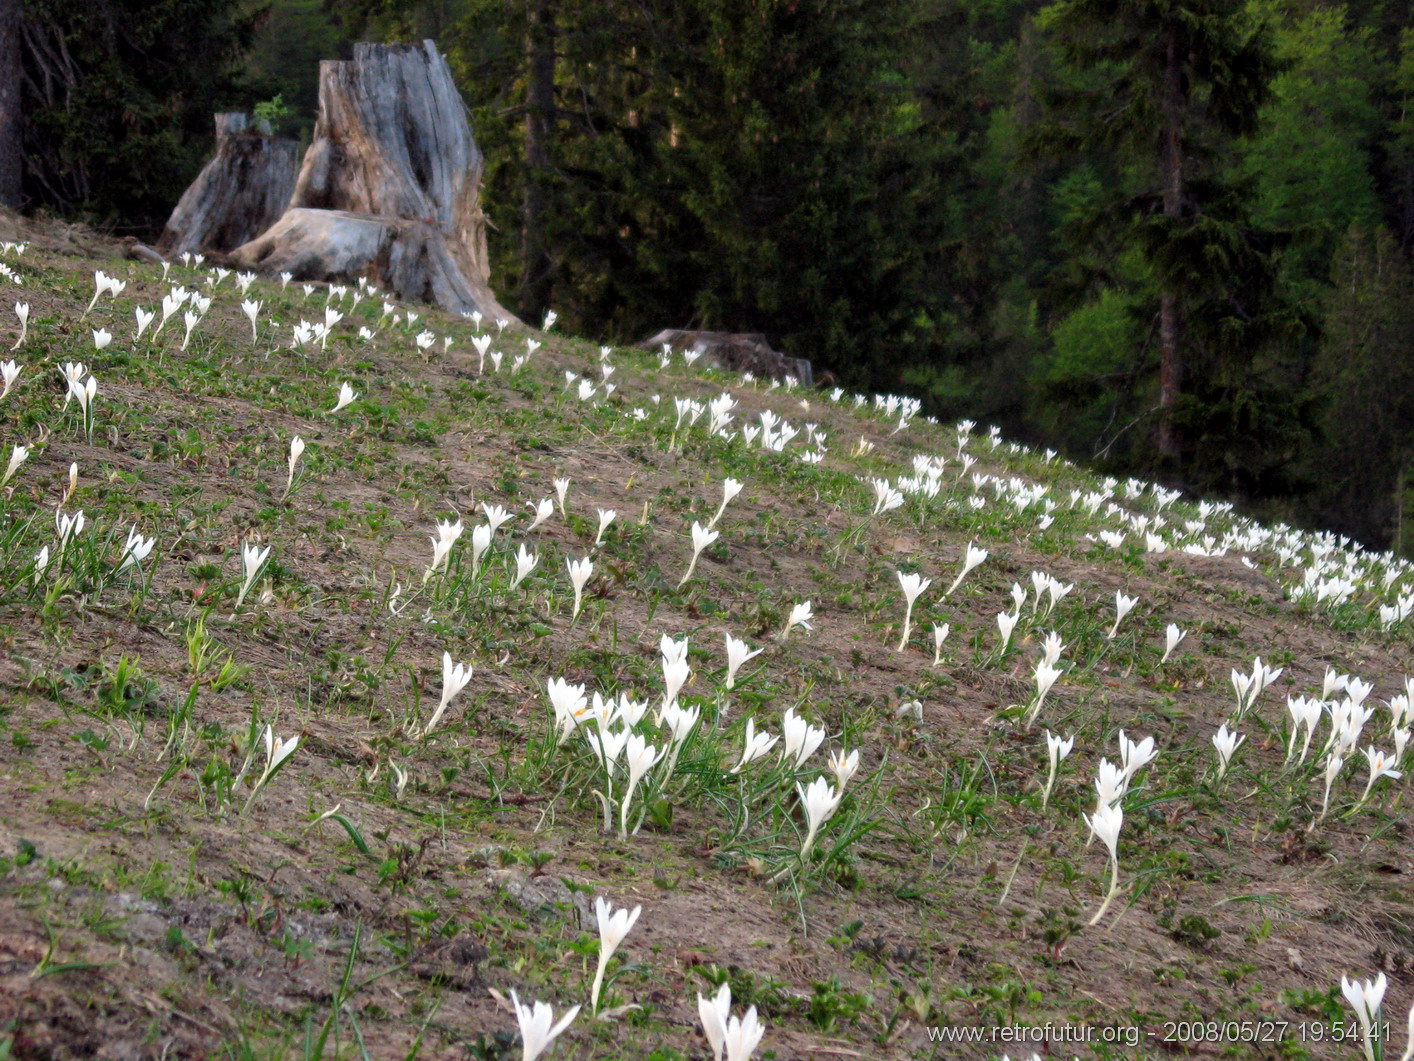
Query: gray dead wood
(240, 193)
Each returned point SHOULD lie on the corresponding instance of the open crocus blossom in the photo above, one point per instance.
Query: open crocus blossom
(738, 653)
(970, 559)
(537, 1027)
(1135, 755)
(543, 511)
(455, 677)
(1172, 636)
(801, 739)
(1106, 823)
(606, 516)
(1123, 606)
(614, 925)
(820, 801)
(18, 456)
(136, 550)
(144, 318)
(276, 754)
(730, 488)
(713, 1014)
(581, 571)
(844, 767)
(913, 585)
(701, 538)
(447, 535)
(754, 745)
(1365, 998)
(568, 702)
(22, 312)
(1381, 765)
(525, 564)
(252, 561)
(1226, 742)
(346, 397)
(562, 487)
(9, 372)
(743, 1036)
(940, 634)
(1057, 749)
(800, 615)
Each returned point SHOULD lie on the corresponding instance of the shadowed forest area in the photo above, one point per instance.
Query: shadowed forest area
(1170, 239)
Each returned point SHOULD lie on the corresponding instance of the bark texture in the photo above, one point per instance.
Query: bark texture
(390, 186)
(240, 193)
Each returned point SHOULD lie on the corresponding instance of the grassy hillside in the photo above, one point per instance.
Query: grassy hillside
(384, 892)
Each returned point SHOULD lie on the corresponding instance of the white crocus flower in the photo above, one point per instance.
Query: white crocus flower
(606, 516)
(455, 677)
(800, 615)
(347, 397)
(913, 586)
(1123, 606)
(1365, 998)
(252, 561)
(18, 456)
(844, 767)
(580, 573)
(738, 653)
(940, 634)
(1105, 823)
(970, 560)
(543, 511)
(730, 488)
(1057, 748)
(820, 802)
(754, 746)
(1226, 742)
(614, 925)
(1172, 637)
(525, 564)
(800, 739)
(701, 538)
(537, 1030)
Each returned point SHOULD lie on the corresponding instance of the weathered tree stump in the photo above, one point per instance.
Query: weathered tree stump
(240, 193)
(736, 352)
(390, 186)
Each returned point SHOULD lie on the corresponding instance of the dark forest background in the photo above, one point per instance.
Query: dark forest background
(1168, 237)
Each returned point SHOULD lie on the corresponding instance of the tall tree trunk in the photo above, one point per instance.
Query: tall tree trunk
(11, 151)
(535, 279)
(1170, 339)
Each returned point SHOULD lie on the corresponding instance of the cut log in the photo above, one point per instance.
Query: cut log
(408, 258)
(240, 193)
(390, 187)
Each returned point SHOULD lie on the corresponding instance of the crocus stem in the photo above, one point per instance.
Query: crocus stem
(1050, 783)
(690, 568)
(1114, 890)
(907, 625)
(598, 981)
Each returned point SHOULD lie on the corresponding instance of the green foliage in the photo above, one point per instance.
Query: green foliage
(119, 97)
